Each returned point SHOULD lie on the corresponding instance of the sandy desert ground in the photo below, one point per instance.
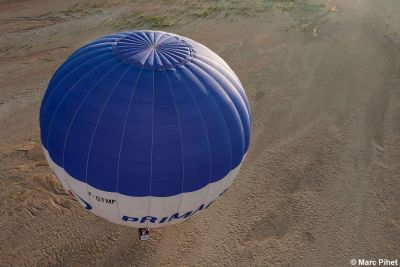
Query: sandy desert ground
(321, 183)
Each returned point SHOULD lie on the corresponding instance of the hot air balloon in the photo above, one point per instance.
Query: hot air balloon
(145, 128)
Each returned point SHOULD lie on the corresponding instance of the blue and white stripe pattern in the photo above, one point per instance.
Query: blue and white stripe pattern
(145, 124)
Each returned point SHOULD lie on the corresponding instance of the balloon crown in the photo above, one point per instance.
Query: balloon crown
(152, 50)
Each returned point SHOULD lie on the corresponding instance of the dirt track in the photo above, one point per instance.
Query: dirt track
(320, 185)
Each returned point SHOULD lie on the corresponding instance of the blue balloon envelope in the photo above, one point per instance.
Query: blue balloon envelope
(145, 128)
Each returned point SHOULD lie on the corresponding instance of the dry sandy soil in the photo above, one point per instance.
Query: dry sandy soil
(321, 183)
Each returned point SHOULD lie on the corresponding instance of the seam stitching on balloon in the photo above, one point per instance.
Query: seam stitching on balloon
(67, 93)
(84, 99)
(145, 36)
(76, 113)
(241, 97)
(95, 128)
(123, 135)
(107, 42)
(71, 61)
(233, 103)
(205, 130)
(159, 37)
(180, 134)
(220, 112)
(66, 180)
(242, 93)
(224, 187)
(151, 153)
(59, 83)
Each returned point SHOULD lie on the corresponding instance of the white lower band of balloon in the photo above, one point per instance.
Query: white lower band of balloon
(141, 211)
